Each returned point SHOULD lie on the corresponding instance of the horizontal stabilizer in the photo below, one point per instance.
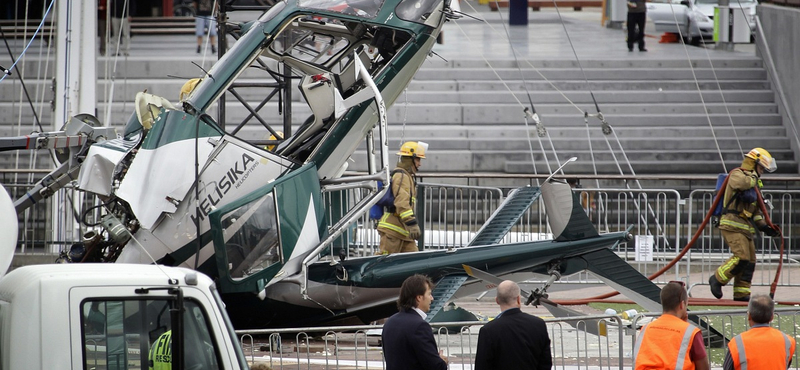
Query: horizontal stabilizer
(591, 326)
(618, 274)
(506, 216)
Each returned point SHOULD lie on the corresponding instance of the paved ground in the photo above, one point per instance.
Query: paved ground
(548, 36)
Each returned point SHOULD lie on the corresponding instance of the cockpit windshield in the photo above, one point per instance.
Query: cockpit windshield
(360, 8)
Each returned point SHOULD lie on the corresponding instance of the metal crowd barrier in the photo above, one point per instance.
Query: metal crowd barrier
(359, 347)
(452, 214)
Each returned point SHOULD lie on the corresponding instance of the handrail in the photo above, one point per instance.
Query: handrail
(763, 44)
(499, 175)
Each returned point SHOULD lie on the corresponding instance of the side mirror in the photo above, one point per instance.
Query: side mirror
(687, 3)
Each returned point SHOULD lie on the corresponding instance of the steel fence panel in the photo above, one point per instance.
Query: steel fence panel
(452, 214)
(571, 348)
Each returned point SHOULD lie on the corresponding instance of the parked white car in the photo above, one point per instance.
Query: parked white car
(707, 7)
(681, 16)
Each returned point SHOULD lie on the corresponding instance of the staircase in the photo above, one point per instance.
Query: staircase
(473, 124)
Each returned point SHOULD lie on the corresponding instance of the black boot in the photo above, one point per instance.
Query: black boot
(742, 299)
(716, 287)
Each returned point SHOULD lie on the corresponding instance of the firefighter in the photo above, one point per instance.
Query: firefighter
(398, 227)
(161, 352)
(741, 216)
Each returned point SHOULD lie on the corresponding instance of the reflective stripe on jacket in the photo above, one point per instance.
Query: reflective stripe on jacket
(769, 349)
(405, 198)
(665, 344)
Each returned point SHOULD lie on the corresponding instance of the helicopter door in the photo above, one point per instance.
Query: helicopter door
(253, 243)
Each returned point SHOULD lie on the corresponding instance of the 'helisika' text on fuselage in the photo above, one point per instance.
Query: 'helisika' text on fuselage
(234, 175)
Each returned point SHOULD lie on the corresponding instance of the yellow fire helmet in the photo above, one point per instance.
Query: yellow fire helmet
(188, 87)
(762, 157)
(415, 149)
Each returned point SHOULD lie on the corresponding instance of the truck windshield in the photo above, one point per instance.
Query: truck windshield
(126, 333)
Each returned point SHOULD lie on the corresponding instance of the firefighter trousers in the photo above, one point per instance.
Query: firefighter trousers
(390, 244)
(739, 267)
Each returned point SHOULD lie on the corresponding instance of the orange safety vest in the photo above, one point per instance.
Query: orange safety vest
(770, 349)
(651, 351)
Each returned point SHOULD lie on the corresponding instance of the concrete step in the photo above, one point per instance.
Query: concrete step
(591, 74)
(132, 67)
(628, 143)
(647, 167)
(138, 66)
(139, 26)
(469, 114)
(603, 97)
(520, 162)
(598, 144)
(597, 85)
(631, 108)
(457, 115)
(520, 132)
(125, 90)
(733, 62)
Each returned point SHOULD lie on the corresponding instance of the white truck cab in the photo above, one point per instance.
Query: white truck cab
(108, 316)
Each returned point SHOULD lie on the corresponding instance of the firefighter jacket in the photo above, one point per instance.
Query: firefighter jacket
(762, 348)
(740, 215)
(395, 222)
(160, 357)
(665, 344)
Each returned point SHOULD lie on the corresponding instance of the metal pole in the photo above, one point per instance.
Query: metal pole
(725, 30)
(75, 86)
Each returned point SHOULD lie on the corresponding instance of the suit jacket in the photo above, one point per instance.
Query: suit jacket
(408, 343)
(515, 340)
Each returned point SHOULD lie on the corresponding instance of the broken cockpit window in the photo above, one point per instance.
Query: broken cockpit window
(359, 8)
(251, 237)
(310, 46)
(416, 10)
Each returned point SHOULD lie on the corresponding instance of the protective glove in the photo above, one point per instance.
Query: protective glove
(413, 231)
(760, 184)
(768, 231)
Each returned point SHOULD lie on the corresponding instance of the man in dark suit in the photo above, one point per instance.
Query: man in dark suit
(407, 338)
(514, 339)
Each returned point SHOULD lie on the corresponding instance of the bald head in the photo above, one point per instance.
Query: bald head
(508, 294)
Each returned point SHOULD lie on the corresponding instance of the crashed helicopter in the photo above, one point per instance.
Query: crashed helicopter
(178, 189)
